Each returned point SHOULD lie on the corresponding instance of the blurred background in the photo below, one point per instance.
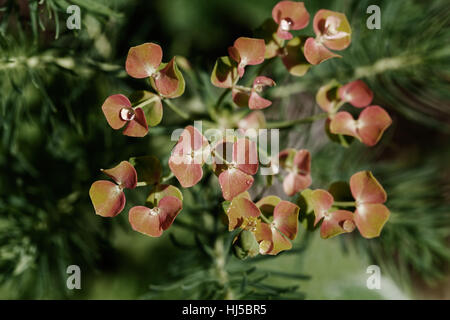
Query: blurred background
(54, 139)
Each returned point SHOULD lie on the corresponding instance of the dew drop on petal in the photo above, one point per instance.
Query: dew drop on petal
(348, 226)
(285, 24)
(155, 211)
(127, 114)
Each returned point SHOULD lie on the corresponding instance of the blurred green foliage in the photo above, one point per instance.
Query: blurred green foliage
(54, 140)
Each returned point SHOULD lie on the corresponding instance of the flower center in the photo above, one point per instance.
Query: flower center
(155, 211)
(127, 114)
(285, 24)
(249, 224)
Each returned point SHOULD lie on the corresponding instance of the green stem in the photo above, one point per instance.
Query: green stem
(146, 102)
(222, 97)
(220, 262)
(344, 203)
(177, 110)
(265, 219)
(292, 123)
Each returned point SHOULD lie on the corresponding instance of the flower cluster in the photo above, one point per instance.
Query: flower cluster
(145, 109)
(371, 122)
(299, 53)
(163, 203)
(271, 221)
(269, 225)
(370, 213)
(228, 70)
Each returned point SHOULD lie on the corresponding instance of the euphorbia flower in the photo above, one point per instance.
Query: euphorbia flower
(235, 175)
(108, 197)
(119, 111)
(247, 51)
(369, 127)
(188, 156)
(298, 164)
(250, 97)
(357, 93)
(153, 221)
(272, 237)
(289, 15)
(370, 214)
(332, 32)
(145, 61)
(334, 221)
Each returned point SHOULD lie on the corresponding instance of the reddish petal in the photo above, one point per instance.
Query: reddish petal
(145, 220)
(336, 222)
(192, 139)
(370, 219)
(262, 81)
(321, 201)
(247, 51)
(233, 182)
(357, 93)
(241, 211)
(241, 98)
(285, 218)
(169, 208)
(112, 107)
(143, 60)
(302, 161)
(315, 52)
(372, 123)
(271, 241)
(256, 102)
(123, 174)
(294, 13)
(137, 127)
(185, 169)
(333, 29)
(294, 183)
(366, 189)
(107, 198)
(343, 123)
(169, 82)
(245, 155)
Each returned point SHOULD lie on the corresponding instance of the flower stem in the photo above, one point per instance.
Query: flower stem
(265, 219)
(177, 110)
(222, 97)
(344, 203)
(292, 123)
